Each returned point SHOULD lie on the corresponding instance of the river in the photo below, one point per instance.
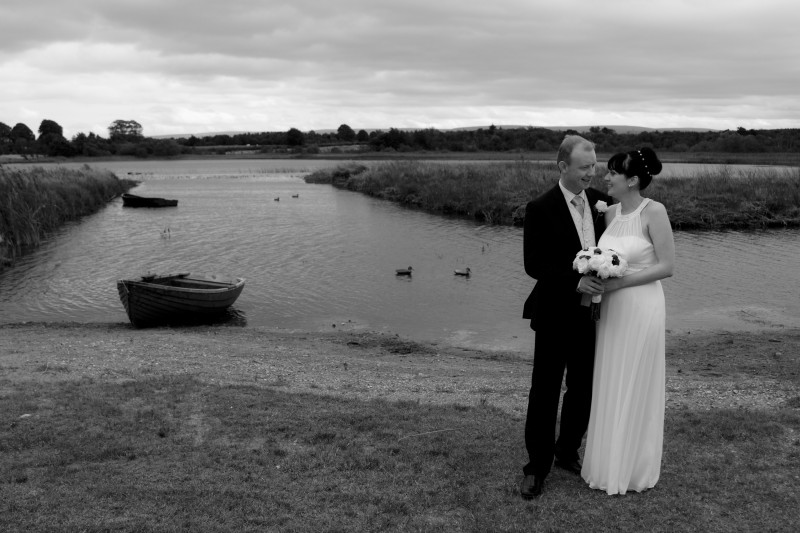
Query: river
(325, 260)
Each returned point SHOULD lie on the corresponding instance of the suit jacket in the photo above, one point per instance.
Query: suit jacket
(550, 243)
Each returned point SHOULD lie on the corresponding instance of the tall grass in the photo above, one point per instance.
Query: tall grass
(724, 199)
(489, 192)
(36, 201)
(498, 192)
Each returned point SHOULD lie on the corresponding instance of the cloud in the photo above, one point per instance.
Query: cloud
(177, 66)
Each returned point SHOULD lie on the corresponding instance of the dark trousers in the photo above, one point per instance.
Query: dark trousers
(556, 351)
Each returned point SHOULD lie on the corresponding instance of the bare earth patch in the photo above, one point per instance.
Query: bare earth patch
(743, 370)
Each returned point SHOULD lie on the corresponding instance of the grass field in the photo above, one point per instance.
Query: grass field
(173, 453)
(89, 443)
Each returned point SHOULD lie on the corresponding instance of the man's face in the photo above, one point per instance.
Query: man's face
(577, 176)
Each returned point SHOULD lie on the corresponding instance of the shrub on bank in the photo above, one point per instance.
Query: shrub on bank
(498, 192)
(35, 201)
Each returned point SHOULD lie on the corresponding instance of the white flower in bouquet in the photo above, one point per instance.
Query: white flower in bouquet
(597, 261)
(616, 264)
(581, 264)
(604, 264)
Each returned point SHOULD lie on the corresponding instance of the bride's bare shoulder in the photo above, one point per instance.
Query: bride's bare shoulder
(655, 207)
(655, 215)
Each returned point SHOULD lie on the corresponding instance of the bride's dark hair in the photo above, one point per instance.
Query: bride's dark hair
(642, 163)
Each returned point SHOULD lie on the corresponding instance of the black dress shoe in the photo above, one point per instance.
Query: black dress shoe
(531, 487)
(571, 465)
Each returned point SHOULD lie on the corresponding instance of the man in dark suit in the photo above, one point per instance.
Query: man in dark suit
(558, 224)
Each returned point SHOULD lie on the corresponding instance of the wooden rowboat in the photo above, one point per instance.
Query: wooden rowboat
(131, 200)
(177, 298)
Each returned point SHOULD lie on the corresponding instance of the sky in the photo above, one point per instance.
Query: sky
(199, 66)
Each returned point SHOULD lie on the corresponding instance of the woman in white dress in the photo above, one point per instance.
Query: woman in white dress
(626, 426)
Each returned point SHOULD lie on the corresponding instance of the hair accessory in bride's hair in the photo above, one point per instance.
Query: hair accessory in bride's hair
(643, 162)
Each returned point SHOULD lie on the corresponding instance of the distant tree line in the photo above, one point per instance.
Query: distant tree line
(530, 139)
(125, 138)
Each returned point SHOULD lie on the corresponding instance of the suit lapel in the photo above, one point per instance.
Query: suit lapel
(597, 217)
(561, 210)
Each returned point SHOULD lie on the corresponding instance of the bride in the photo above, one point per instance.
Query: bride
(626, 426)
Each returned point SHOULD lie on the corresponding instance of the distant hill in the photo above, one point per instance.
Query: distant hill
(199, 135)
(625, 129)
(618, 129)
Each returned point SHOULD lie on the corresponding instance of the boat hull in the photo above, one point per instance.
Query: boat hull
(131, 200)
(177, 299)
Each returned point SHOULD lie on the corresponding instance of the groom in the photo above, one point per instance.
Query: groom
(558, 224)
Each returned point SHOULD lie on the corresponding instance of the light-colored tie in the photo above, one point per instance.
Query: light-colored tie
(577, 201)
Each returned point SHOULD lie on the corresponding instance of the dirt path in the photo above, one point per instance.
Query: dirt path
(711, 370)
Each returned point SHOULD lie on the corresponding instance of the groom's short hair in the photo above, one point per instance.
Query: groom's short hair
(568, 146)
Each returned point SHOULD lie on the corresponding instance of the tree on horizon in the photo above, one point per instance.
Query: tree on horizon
(295, 137)
(346, 133)
(125, 130)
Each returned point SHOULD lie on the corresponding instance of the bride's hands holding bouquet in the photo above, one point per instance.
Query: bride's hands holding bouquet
(612, 284)
(606, 264)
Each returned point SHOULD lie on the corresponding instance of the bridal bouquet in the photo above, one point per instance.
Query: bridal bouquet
(601, 263)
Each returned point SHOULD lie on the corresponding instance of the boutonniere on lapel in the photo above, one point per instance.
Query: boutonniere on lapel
(600, 208)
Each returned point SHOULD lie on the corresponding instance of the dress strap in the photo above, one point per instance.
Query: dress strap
(642, 205)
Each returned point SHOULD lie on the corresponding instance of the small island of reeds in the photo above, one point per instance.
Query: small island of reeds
(497, 193)
(35, 201)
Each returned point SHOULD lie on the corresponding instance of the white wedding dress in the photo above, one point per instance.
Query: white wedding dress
(626, 426)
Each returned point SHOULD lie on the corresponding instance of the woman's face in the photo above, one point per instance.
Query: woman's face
(617, 183)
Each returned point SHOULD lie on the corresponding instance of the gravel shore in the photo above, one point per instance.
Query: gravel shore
(742, 370)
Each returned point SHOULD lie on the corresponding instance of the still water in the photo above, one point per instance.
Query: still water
(327, 258)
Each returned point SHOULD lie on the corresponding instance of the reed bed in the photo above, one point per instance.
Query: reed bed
(724, 199)
(497, 193)
(36, 201)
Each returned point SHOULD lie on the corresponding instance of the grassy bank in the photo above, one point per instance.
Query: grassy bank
(711, 200)
(35, 201)
(497, 192)
(490, 192)
(711, 158)
(222, 429)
